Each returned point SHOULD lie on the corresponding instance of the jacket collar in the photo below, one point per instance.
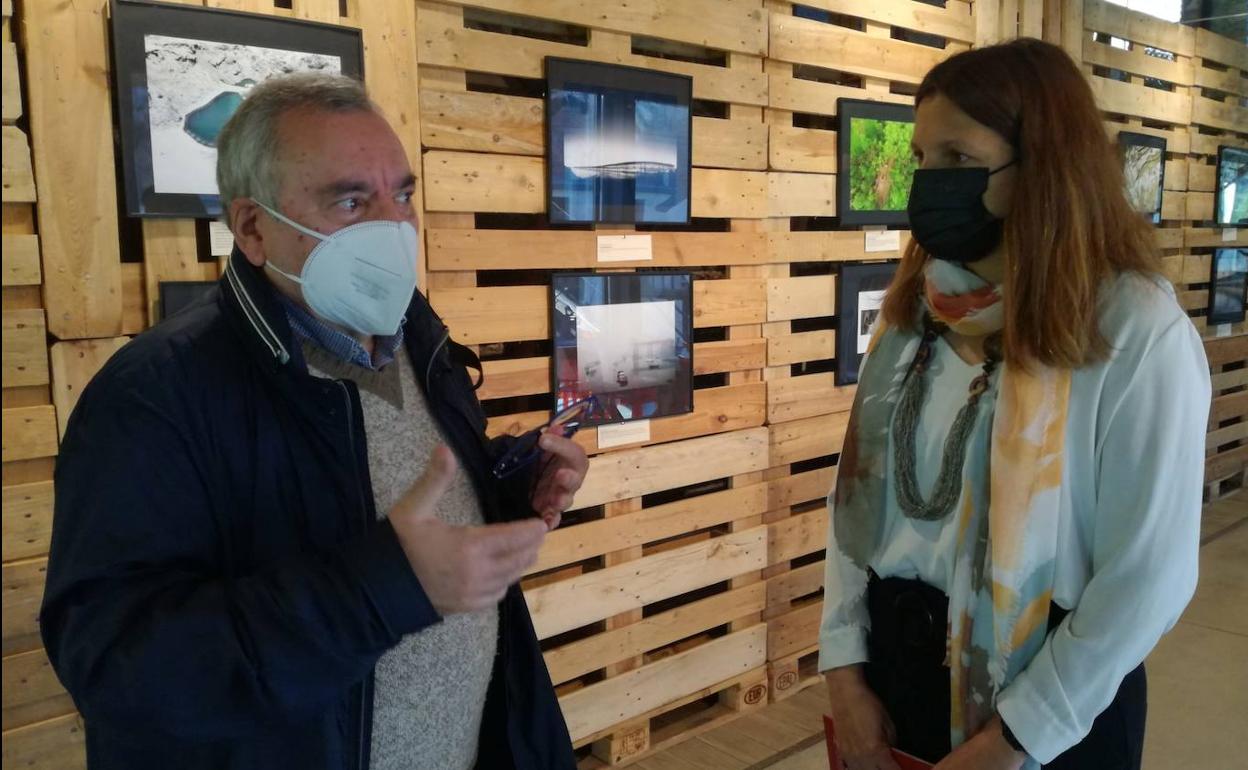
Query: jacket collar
(249, 300)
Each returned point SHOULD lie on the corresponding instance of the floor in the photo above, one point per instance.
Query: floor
(1197, 683)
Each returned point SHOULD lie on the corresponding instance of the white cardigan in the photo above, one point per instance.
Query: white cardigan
(1129, 532)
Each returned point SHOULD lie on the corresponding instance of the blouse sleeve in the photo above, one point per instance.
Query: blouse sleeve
(843, 630)
(1145, 542)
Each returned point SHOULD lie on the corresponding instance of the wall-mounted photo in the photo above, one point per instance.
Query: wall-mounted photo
(625, 338)
(860, 293)
(182, 71)
(617, 144)
(1231, 198)
(176, 296)
(1228, 286)
(875, 163)
(1144, 169)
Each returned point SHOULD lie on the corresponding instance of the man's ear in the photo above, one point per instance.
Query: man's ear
(244, 218)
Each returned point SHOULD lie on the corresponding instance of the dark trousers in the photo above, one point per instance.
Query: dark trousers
(907, 647)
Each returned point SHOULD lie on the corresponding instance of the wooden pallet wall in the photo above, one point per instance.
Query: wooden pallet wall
(1188, 86)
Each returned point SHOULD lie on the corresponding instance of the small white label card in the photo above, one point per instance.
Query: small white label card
(220, 239)
(625, 248)
(1230, 234)
(621, 433)
(883, 240)
(1223, 330)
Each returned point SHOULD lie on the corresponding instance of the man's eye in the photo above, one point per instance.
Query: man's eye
(349, 204)
(406, 197)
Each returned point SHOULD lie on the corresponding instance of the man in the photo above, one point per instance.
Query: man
(263, 554)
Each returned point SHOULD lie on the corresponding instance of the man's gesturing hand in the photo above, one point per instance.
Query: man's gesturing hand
(462, 569)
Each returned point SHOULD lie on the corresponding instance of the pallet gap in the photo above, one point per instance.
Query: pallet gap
(525, 26)
(656, 48)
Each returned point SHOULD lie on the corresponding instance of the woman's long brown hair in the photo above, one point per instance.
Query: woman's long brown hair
(1070, 226)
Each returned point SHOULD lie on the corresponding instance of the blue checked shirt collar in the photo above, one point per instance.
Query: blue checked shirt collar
(309, 328)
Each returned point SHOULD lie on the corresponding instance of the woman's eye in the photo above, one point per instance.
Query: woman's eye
(962, 157)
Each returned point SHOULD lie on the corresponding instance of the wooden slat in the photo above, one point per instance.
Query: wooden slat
(457, 250)
(18, 177)
(827, 246)
(791, 585)
(1141, 101)
(797, 535)
(1199, 207)
(1229, 81)
(796, 398)
(801, 195)
(1206, 237)
(31, 690)
(796, 348)
(1176, 174)
(637, 472)
(23, 593)
(1138, 27)
(57, 744)
(443, 41)
(1137, 62)
(27, 520)
(21, 260)
(793, 632)
(1226, 350)
(597, 595)
(600, 650)
(954, 21)
(790, 93)
(729, 302)
(74, 364)
(802, 149)
(584, 541)
(730, 25)
(11, 101)
(802, 41)
(597, 707)
(67, 82)
(734, 144)
(729, 194)
(1221, 49)
(325, 11)
(25, 349)
(1227, 463)
(809, 297)
(29, 433)
(1227, 116)
(170, 253)
(807, 439)
(1176, 141)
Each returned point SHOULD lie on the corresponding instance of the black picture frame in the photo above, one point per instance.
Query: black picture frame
(1228, 286)
(150, 37)
(853, 172)
(176, 296)
(620, 398)
(1145, 182)
(598, 173)
(1230, 198)
(854, 318)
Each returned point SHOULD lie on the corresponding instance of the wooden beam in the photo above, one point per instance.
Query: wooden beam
(74, 364)
(27, 520)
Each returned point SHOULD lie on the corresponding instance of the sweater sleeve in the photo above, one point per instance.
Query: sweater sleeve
(1145, 543)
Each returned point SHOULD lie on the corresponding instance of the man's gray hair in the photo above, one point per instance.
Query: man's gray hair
(248, 150)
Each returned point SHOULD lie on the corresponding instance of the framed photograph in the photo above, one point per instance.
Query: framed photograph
(875, 164)
(176, 296)
(1231, 198)
(1228, 286)
(181, 72)
(617, 144)
(1144, 167)
(859, 296)
(627, 340)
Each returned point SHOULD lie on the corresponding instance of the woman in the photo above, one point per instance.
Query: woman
(1016, 519)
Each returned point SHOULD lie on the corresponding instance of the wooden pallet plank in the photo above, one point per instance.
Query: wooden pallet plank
(57, 744)
(596, 708)
(729, 144)
(70, 109)
(31, 691)
(1140, 101)
(29, 433)
(74, 364)
(795, 584)
(799, 488)
(170, 253)
(801, 195)
(1227, 116)
(793, 632)
(796, 398)
(11, 97)
(808, 297)
(1205, 238)
(797, 535)
(810, 150)
(456, 250)
(17, 176)
(1221, 49)
(443, 41)
(1138, 27)
(21, 260)
(25, 341)
(1177, 141)
(27, 519)
(827, 246)
(805, 346)
(324, 11)
(597, 595)
(23, 592)
(802, 41)
(637, 472)
(798, 95)
(953, 21)
(1137, 62)
(807, 439)
(594, 538)
(1228, 81)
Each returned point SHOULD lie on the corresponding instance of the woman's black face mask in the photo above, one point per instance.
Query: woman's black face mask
(947, 213)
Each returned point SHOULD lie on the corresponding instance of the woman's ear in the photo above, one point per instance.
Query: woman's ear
(244, 222)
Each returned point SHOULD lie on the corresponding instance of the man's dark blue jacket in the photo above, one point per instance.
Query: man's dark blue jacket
(219, 587)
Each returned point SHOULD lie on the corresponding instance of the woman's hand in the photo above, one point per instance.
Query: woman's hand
(988, 750)
(864, 731)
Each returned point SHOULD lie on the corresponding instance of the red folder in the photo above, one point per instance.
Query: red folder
(904, 760)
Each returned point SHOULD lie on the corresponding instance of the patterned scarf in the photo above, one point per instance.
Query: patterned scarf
(1002, 583)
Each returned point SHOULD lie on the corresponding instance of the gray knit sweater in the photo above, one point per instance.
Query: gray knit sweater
(431, 687)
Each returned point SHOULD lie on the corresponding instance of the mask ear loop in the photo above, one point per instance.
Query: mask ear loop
(999, 168)
(292, 223)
